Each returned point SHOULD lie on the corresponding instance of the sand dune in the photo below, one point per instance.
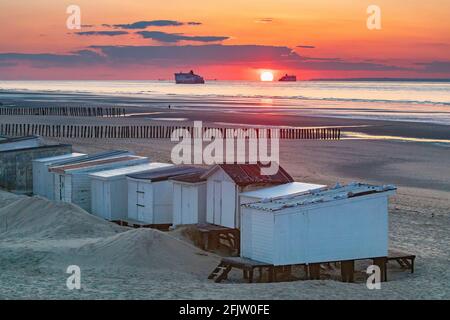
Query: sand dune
(38, 218)
(37, 235)
(147, 248)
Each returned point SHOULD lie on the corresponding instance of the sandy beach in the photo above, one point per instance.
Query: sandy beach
(120, 263)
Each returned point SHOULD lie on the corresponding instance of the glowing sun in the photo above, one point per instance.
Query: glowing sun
(266, 76)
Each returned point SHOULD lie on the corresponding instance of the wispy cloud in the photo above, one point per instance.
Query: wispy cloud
(264, 20)
(176, 37)
(152, 23)
(44, 60)
(110, 33)
(435, 66)
(4, 64)
(305, 46)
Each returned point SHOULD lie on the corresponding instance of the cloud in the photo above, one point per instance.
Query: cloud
(5, 64)
(110, 33)
(249, 55)
(306, 47)
(152, 23)
(45, 60)
(255, 56)
(306, 58)
(199, 54)
(176, 37)
(340, 65)
(435, 66)
(264, 20)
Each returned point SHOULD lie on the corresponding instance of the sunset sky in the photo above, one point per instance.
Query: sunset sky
(233, 39)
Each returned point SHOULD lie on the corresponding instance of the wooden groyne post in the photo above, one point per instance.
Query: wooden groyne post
(157, 132)
(63, 111)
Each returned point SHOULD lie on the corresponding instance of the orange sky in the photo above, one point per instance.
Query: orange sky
(414, 40)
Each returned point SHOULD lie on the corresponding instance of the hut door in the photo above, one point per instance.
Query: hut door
(186, 199)
(141, 204)
(228, 218)
(217, 202)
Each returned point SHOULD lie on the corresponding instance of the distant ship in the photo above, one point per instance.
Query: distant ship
(287, 77)
(188, 78)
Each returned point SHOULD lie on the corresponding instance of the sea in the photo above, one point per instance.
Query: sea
(413, 101)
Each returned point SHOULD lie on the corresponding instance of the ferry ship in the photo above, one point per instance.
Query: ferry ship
(188, 78)
(287, 77)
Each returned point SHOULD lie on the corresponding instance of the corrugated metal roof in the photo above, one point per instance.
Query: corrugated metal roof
(82, 165)
(58, 158)
(191, 178)
(287, 189)
(314, 197)
(92, 157)
(129, 170)
(165, 173)
(248, 174)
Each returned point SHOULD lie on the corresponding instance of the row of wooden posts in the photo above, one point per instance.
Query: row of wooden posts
(161, 132)
(64, 111)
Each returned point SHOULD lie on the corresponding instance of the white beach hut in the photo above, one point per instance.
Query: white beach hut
(189, 199)
(225, 183)
(43, 181)
(335, 224)
(150, 198)
(72, 182)
(109, 190)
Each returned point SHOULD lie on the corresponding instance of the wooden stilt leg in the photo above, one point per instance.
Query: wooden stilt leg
(348, 270)
(314, 271)
(270, 270)
(381, 263)
(250, 276)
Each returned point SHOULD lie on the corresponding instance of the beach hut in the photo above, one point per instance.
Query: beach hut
(109, 190)
(189, 199)
(333, 224)
(43, 179)
(225, 183)
(72, 182)
(150, 197)
(16, 165)
(276, 192)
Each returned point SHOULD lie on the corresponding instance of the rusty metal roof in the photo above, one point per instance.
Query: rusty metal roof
(191, 178)
(87, 164)
(248, 174)
(165, 173)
